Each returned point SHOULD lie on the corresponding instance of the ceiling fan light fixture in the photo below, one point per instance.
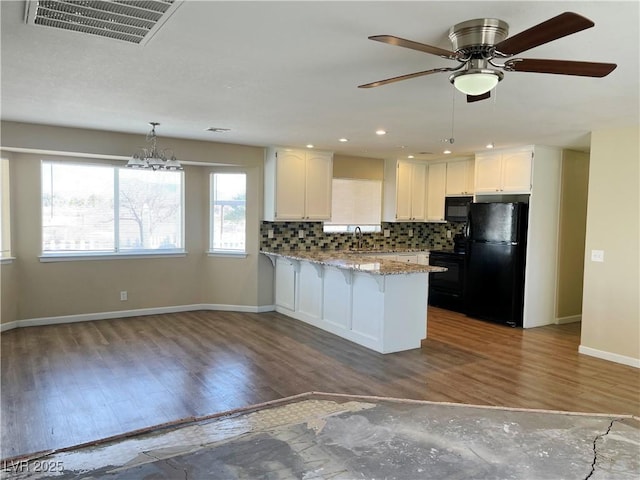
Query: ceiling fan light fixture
(476, 81)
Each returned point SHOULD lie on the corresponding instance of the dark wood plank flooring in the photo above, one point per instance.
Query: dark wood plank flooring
(73, 383)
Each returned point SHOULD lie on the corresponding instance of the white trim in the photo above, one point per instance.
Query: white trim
(569, 319)
(612, 357)
(6, 260)
(100, 156)
(72, 257)
(227, 253)
(87, 317)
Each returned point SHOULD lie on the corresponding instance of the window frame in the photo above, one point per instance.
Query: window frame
(218, 252)
(6, 247)
(117, 253)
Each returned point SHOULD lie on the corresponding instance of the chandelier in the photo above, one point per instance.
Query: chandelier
(152, 157)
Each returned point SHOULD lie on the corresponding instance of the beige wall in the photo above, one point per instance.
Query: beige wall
(611, 305)
(91, 286)
(573, 223)
(358, 167)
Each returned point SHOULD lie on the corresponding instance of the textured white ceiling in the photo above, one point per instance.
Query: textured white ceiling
(285, 73)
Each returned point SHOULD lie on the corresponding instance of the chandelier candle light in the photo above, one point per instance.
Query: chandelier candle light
(152, 157)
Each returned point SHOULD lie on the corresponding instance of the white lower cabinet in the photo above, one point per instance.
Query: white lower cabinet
(309, 292)
(337, 299)
(386, 313)
(285, 284)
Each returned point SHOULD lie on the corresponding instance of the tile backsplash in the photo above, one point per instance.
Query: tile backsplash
(428, 236)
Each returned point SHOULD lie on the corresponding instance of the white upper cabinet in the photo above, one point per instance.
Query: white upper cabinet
(404, 191)
(318, 178)
(460, 177)
(507, 171)
(436, 187)
(297, 185)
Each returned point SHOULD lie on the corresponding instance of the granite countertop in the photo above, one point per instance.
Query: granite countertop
(360, 261)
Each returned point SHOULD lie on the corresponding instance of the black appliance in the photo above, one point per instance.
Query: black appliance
(446, 289)
(495, 261)
(456, 208)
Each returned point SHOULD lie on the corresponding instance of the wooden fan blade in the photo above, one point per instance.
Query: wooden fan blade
(404, 77)
(477, 98)
(564, 24)
(561, 67)
(422, 47)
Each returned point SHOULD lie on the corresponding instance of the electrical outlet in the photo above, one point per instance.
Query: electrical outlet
(449, 234)
(270, 233)
(123, 296)
(411, 232)
(387, 233)
(300, 233)
(597, 255)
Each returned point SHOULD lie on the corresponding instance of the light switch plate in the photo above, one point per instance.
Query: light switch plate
(597, 255)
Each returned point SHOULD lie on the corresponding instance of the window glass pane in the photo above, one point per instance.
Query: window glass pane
(150, 210)
(228, 211)
(77, 208)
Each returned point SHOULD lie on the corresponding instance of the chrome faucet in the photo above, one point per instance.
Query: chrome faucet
(358, 234)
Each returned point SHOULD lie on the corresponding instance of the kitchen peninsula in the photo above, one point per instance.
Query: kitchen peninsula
(375, 302)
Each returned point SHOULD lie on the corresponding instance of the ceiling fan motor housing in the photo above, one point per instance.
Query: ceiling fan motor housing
(475, 37)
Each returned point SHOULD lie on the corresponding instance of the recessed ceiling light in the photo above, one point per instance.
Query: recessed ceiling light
(343, 140)
(309, 145)
(447, 152)
(490, 145)
(381, 132)
(410, 156)
(217, 130)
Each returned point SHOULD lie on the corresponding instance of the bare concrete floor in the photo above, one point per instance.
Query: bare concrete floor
(327, 437)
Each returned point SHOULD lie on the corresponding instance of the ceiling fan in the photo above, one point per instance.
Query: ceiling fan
(478, 44)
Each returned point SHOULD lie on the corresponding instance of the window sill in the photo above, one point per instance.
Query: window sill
(227, 253)
(70, 257)
(7, 260)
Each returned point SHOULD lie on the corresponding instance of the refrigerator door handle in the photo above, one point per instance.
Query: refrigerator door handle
(467, 227)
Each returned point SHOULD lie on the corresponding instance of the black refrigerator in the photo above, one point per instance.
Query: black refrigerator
(496, 236)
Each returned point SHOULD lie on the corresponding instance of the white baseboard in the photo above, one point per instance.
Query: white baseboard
(87, 317)
(569, 319)
(612, 357)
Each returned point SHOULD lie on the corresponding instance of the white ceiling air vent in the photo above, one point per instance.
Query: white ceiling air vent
(134, 21)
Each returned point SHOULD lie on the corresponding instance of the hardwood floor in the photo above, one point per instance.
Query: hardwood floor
(73, 383)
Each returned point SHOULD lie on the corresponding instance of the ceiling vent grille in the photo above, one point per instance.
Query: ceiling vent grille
(134, 21)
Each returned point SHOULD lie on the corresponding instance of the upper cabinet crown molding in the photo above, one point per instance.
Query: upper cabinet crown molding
(297, 184)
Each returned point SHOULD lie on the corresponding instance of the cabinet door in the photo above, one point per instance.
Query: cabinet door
(319, 173)
(456, 178)
(488, 173)
(418, 191)
(403, 190)
(285, 284)
(436, 188)
(290, 185)
(516, 171)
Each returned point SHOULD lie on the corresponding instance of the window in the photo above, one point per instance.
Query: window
(103, 209)
(228, 212)
(5, 211)
(355, 203)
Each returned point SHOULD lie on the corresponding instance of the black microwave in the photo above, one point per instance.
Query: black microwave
(456, 208)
